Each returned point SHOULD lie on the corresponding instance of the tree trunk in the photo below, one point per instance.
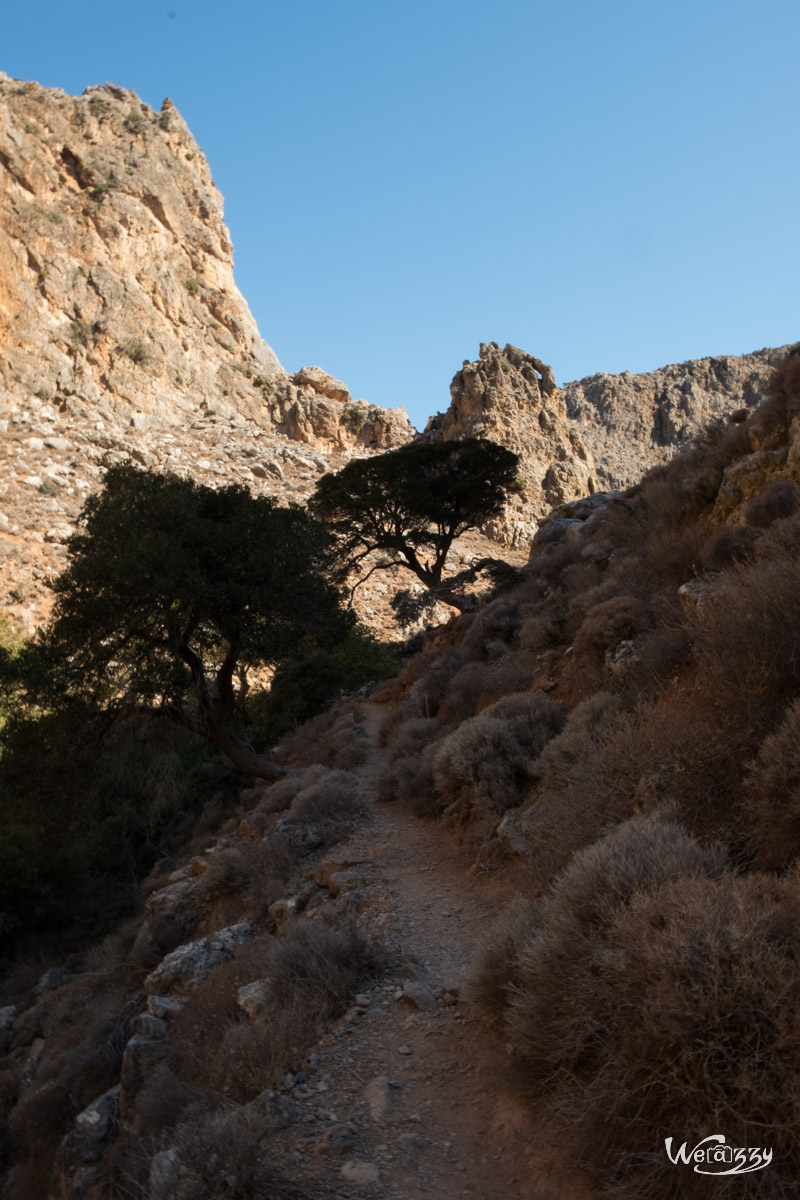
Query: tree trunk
(243, 757)
(462, 603)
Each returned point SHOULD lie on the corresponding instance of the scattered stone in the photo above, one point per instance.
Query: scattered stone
(339, 1138)
(147, 1025)
(364, 1174)
(418, 994)
(378, 1095)
(59, 534)
(510, 836)
(141, 1056)
(53, 979)
(163, 1006)
(404, 1049)
(277, 1111)
(196, 960)
(253, 996)
(413, 1141)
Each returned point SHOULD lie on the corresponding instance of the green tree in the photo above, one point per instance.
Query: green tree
(411, 504)
(173, 590)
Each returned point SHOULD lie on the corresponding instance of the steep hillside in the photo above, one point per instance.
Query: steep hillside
(296, 1008)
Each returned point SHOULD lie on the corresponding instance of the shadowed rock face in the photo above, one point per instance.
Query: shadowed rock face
(511, 397)
(632, 422)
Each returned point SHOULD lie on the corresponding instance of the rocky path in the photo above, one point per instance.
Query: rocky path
(416, 1094)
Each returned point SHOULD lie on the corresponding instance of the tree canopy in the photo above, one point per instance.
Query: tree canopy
(173, 588)
(412, 503)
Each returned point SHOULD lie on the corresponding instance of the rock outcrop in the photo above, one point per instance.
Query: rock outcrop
(633, 422)
(117, 296)
(511, 397)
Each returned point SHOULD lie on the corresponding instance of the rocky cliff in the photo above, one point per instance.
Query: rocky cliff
(632, 422)
(123, 334)
(117, 296)
(122, 331)
(511, 397)
(596, 434)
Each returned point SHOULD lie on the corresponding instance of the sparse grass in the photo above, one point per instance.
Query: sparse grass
(136, 350)
(135, 122)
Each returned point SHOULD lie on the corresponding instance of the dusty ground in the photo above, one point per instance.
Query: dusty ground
(419, 1101)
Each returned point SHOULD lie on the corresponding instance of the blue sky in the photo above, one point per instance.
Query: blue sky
(609, 185)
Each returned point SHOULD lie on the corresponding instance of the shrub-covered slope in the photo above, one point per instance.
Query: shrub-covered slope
(624, 726)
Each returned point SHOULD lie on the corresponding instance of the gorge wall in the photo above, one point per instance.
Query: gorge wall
(123, 335)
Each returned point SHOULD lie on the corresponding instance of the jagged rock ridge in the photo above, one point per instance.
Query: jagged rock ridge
(632, 422)
(511, 397)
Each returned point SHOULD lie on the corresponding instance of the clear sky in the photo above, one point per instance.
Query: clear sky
(609, 184)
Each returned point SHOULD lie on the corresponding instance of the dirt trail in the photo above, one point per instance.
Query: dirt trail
(421, 1097)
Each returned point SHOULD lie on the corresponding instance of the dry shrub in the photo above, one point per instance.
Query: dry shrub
(777, 501)
(260, 866)
(337, 739)
(507, 675)
(608, 624)
(428, 691)
(728, 545)
(164, 1101)
(548, 1018)
(498, 621)
(494, 975)
(747, 639)
(280, 795)
(587, 730)
(771, 803)
(39, 1121)
(308, 974)
(319, 961)
(692, 1006)
(222, 1157)
(783, 404)
(406, 773)
(334, 796)
(486, 765)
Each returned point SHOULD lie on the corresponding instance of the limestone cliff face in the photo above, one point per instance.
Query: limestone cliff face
(117, 296)
(123, 334)
(511, 397)
(632, 422)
